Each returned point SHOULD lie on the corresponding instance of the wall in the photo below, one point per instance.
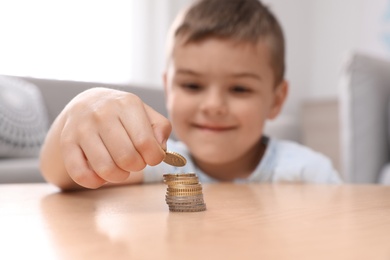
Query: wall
(320, 35)
(336, 27)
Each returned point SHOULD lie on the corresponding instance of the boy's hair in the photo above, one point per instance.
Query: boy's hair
(241, 20)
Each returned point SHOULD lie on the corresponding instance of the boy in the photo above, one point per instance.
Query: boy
(224, 78)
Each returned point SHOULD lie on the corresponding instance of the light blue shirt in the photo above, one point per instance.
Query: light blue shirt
(283, 161)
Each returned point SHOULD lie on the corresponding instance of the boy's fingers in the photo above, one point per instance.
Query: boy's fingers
(78, 169)
(120, 147)
(101, 161)
(139, 126)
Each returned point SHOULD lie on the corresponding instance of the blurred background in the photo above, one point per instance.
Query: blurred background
(122, 41)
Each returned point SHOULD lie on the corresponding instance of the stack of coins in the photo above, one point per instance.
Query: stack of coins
(184, 192)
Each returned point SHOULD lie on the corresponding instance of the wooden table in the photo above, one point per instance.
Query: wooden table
(243, 221)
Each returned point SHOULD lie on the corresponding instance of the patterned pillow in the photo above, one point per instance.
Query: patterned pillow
(23, 118)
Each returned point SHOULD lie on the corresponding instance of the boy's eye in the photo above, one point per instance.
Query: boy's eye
(240, 89)
(191, 86)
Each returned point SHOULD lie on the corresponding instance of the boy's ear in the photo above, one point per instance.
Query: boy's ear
(280, 95)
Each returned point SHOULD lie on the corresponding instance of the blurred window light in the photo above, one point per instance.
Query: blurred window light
(83, 40)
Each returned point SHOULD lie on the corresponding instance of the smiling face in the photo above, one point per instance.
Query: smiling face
(219, 95)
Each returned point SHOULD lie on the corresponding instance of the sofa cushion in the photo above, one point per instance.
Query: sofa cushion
(23, 118)
(385, 175)
(364, 97)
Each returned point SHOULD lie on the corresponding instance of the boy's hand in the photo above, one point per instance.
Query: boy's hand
(107, 134)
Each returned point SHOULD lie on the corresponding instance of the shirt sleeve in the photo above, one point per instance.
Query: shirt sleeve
(320, 170)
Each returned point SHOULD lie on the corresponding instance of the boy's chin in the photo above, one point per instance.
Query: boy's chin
(212, 157)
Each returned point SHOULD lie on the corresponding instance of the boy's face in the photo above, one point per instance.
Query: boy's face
(219, 95)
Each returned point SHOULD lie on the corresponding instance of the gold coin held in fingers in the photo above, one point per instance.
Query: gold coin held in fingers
(174, 159)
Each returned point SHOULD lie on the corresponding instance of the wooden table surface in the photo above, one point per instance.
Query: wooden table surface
(242, 221)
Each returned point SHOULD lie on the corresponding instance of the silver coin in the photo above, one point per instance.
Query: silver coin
(190, 209)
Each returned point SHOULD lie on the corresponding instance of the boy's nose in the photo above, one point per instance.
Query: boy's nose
(214, 103)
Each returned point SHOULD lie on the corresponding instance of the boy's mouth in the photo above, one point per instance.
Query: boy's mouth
(213, 128)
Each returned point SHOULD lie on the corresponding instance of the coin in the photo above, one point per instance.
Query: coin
(188, 198)
(198, 206)
(181, 181)
(174, 209)
(174, 159)
(196, 186)
(184, 194)
(174, 176)
(184, 203)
